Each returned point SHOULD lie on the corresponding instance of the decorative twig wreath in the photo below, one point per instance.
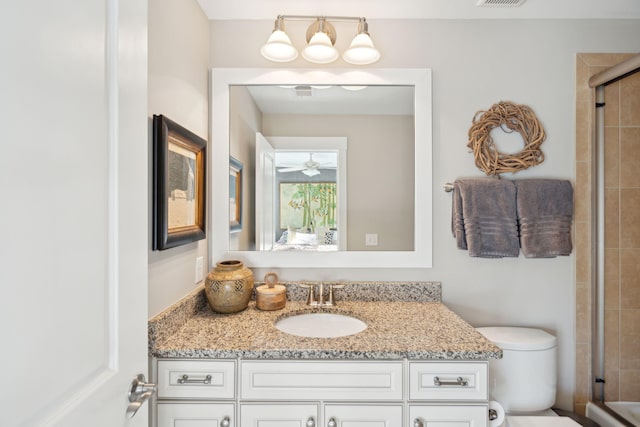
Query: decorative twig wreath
(511, 118)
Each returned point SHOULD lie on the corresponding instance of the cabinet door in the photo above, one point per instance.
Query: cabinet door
(363, 415)
(449, 416)
(278, 415)
(195, 415)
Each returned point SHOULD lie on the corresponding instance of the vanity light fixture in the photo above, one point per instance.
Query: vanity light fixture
(321, 39)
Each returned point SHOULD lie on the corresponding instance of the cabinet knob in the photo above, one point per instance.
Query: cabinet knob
(311, 422)
(417, 423)
(226, 422)
(332, 422)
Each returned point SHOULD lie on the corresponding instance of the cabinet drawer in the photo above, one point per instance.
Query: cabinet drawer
(278, 415)
(321, 380)
(363, 415)
(448, 381)
(450, 416)
(196, 414)
(202, 379)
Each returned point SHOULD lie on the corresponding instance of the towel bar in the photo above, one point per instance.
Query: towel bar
(448, 187)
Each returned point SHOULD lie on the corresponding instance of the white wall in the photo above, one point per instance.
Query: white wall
(475, 63)
(178, 89)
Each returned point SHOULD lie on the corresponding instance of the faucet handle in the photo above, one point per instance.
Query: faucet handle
(330, 300)
(311, 297)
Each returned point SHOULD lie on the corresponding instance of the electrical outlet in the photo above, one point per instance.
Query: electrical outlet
(371, 240)
(199, 269)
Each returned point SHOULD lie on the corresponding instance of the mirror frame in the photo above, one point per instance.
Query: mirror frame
(420, 257)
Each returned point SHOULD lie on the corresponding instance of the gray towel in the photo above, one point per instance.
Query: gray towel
(545, 212)
(484, 217)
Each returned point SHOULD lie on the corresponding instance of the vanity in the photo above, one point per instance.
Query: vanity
(416, 364)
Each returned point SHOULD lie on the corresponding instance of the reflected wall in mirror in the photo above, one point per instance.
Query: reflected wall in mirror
(382, 174)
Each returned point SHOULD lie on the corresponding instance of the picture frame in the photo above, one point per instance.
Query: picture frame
(178, 185)
(235, 195)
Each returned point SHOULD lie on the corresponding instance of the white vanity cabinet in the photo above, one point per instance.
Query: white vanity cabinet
(314, 393)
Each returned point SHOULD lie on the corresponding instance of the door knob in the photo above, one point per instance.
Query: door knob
(139, 392)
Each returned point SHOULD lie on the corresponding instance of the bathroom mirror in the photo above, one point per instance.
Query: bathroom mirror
(383, 85)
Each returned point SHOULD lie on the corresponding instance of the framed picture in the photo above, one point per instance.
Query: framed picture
(179, 159)
(235, 195)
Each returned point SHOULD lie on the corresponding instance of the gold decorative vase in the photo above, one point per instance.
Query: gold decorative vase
(229, 287)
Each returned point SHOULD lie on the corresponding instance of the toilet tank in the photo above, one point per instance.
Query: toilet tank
(524, 380)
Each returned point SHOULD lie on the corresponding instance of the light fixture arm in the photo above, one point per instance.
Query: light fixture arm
(317, 17)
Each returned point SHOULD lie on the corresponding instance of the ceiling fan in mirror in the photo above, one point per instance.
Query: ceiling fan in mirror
(309, 167)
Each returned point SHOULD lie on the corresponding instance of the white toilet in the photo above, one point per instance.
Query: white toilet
(524, 380)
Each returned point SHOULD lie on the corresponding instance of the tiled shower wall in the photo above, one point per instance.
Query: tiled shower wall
(622, 231)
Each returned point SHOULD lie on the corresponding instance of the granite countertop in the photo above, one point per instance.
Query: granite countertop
(409, 322)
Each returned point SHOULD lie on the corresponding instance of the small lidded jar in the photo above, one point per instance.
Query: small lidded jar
(271, 295)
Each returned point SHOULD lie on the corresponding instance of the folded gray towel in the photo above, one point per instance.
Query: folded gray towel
(484, 217)
(545, 212)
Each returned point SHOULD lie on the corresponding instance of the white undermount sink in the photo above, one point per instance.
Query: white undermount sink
(321, 325)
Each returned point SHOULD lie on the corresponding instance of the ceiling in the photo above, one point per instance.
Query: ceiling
(371, 100)
(421, 9)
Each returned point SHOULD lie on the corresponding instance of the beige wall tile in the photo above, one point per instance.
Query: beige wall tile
(629, 278)
(582, 247)
(630, 339)
(630, 100)
(582, 192)
(612, 157)
(630, 218)
(612, 104)
(611, 339)
(611, 218)
(583, 374)
(612, 384)
(583, 314)
(612, 279)
(630, 385)
(583, 91)
(630, 155)
(583, 130)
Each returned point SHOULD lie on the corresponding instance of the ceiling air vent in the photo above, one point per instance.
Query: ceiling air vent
(500, 3)
(304, 91)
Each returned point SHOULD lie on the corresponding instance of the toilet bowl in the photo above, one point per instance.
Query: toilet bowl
(524, 380)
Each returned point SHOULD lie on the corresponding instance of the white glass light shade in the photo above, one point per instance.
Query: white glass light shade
(320, 50)
(279, 48)
(361, 51)
(311, 172)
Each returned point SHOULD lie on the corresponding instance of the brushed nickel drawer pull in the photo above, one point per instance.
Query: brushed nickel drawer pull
(186, 380)
(459, 382)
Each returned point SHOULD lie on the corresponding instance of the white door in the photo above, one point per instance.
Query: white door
(73, 223)
(265, 193)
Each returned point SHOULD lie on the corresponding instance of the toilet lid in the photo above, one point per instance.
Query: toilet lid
(540, 422)
(515, 338)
